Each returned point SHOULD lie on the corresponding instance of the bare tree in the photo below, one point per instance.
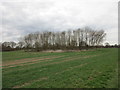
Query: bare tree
(12, 44)
(21, 44)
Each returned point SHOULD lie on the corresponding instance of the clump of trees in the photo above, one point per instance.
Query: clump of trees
(71, 39)
(8, 46)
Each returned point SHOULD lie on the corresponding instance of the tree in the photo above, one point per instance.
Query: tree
(12, 44)
(107, 44)
(21, 44)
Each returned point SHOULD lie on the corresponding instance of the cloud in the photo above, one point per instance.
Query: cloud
(22, 16)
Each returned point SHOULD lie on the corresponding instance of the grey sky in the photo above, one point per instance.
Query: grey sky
(20, 17)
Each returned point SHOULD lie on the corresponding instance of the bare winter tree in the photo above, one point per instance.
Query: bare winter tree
(6, 44)
(21, 44)
(28, 41)
(12, 44)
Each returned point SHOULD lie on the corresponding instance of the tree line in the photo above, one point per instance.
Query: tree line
(70, 39)
(65, 40)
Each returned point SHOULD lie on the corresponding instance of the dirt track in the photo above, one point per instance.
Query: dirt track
(23, 61)
(44, 60)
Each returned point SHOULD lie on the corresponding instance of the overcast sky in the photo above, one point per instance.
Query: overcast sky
(20, 17)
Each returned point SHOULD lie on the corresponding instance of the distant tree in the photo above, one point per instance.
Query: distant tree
(6, 44)
(115, 45)
(21, 44)
(12, 44)
(107, 44)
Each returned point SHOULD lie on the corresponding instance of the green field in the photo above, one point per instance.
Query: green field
(84, 69)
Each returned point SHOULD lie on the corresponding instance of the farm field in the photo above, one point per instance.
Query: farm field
(84, 69)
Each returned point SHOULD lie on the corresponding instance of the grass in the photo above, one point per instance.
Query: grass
(85, 69)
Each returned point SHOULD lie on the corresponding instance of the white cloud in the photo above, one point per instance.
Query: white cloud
(25, 16)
